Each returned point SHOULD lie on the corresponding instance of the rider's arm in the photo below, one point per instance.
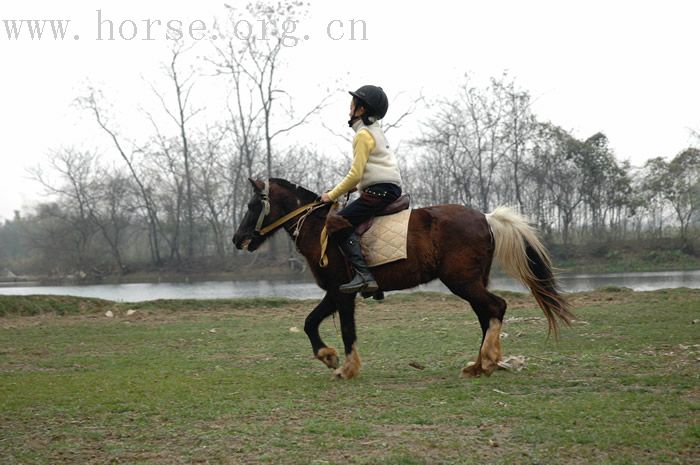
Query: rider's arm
(362, 145)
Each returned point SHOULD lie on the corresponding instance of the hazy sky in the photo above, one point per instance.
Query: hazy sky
(629, 69)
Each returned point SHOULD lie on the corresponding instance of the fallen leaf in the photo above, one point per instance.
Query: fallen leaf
(512, 362)
(523, 319)
(417, 366)
(213, 330)
(293, 329)
(493, 443)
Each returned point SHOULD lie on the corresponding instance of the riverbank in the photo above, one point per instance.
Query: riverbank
(641, 256)
(167, 275)
(307, 289)
(626, 259)
(234, 381)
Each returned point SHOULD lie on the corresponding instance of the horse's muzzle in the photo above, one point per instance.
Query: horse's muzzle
(243, 243)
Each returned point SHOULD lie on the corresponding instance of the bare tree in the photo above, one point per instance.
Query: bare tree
(678, 181)
(92, 199)
(211, 185)
(90, 103)
(181, 115)
(253, 64)
(73, 188)
(112, 214)
(163, 167)
(519, 129)
(262, 110)
(553, 154)
(471, 133)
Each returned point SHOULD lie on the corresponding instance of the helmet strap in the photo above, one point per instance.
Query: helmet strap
(368, 120)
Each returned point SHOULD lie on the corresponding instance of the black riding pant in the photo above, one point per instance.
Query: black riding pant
(373, 199)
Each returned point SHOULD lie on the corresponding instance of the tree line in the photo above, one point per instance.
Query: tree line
(484, 147)
(173, 200)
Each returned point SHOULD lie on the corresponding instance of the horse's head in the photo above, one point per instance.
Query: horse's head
(248, 235)
(271, 201)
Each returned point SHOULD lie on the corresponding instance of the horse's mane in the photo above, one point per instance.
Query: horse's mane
(304, 194)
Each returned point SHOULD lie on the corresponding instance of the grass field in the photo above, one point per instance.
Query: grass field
(233, 382)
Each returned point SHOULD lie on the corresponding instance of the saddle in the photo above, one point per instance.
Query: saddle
(400, 204)
(335, 222)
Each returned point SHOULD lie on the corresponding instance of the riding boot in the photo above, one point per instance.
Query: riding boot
(363, 280)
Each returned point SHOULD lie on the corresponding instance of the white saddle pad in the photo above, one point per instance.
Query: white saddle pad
(385, 241)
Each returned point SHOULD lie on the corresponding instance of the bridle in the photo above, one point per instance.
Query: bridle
(265, 198)
(305, 209)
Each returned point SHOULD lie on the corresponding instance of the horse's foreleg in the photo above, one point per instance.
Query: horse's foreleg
(327, 355)
(352, 365)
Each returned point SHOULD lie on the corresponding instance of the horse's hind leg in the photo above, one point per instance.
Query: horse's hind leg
(328, 355)
(489, 309)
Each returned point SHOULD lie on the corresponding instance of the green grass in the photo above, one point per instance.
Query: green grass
(623, 258)
(216, 382)
(59, 305)
(67, 305)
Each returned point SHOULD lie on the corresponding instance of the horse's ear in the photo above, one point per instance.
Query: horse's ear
(257, 185)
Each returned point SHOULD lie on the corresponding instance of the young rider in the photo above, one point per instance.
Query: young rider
(374, 172)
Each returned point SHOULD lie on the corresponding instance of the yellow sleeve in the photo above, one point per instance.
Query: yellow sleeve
(362, 145)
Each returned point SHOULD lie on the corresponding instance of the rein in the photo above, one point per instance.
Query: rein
(306, 209)
(276, 224)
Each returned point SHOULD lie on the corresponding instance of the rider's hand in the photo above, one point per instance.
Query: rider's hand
(325, 198)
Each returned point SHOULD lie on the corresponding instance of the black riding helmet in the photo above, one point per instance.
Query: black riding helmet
(373, 99)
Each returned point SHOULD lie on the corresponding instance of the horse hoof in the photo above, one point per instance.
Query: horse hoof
(344, 373)
(329, 357)
(472, 371)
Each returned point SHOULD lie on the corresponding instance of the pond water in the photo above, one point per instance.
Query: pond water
(307, 290)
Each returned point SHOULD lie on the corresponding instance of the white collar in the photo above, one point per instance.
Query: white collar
(357, 125)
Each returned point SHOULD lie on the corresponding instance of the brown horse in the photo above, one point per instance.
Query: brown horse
(451, 242)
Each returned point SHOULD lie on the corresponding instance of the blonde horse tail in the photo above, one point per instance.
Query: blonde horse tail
(522, 256)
